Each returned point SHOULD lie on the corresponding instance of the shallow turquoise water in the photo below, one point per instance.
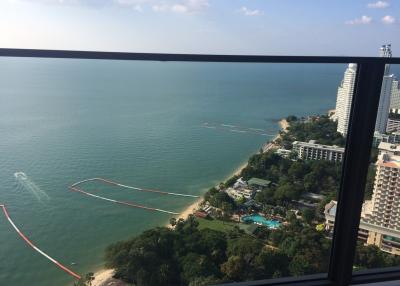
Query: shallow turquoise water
(138, 123)
(258, 219)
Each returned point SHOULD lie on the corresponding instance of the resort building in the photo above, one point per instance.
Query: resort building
(384, 209)
(241, 189)
(313, 151)
(238, 194)
(283, 152)
(259, 184)
(344, 99)
(240, 183)
(388, 148)
(386, 239)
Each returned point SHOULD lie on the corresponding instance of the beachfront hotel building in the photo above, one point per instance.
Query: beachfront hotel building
(312, 151)
(344, 99)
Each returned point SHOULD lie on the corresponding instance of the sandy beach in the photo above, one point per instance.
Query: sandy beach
(190, 209)
(104, 277)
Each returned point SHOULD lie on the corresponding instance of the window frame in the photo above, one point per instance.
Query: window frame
(369, 76)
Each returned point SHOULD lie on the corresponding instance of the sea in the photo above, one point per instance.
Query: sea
(178, 127)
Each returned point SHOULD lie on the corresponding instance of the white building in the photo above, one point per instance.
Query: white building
(313, 151)
(384, 209)
(238, 194)
(344, 99)
(388, 148)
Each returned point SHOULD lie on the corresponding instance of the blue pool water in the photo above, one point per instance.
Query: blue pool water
(258, 219)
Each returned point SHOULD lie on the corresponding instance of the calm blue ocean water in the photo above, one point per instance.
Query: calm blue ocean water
(139, 123)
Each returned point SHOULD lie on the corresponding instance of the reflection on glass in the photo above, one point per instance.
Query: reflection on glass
(379, 230)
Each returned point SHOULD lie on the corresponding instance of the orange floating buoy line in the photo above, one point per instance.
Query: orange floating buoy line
(30, 243)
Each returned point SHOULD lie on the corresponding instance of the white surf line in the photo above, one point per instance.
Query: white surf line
(133, 188)
(121, 202)
(70, 272)
(83, 181)
(148, 190)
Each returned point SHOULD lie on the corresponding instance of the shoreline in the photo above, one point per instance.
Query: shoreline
(103, 277)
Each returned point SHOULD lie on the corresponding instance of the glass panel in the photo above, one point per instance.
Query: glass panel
(94, 152)
(379, 231)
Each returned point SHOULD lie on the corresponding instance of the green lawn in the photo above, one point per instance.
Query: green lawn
(215, 224)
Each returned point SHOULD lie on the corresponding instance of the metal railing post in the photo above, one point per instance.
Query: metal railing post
(355, 168)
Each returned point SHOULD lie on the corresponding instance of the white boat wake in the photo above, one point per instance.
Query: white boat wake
(29, 185)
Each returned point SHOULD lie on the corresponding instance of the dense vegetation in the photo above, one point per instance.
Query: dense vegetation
(319, 128)
(191, 256)
(292, 178)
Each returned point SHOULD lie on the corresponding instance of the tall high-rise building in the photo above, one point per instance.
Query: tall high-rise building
(386, 92)
(384, 209)
(384, 104)
(344, 99)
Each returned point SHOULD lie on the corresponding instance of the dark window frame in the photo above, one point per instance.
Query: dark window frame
(364, 107)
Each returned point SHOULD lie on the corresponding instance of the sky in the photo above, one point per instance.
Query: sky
(260, 27)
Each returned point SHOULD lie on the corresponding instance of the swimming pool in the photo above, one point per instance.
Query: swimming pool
(260, 220)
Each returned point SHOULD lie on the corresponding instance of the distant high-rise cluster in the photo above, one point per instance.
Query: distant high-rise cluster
(389, 97)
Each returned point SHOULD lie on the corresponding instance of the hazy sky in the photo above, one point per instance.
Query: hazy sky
(293, 27)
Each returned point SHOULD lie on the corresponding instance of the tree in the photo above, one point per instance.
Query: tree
(234, 268)
(85, 281)
(172, 221)
(308, 215)
(299, 266)
(271, 262)
(297, 170)
(368, 256)
(291, 118)
(196, 265)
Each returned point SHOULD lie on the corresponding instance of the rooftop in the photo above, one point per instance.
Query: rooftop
(259, 182)
(387, 160)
